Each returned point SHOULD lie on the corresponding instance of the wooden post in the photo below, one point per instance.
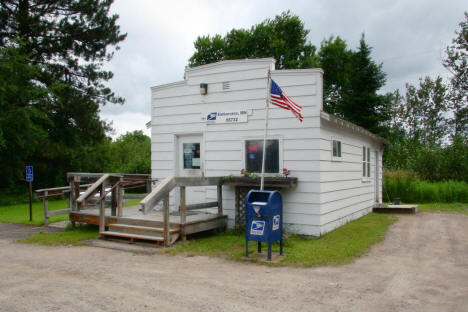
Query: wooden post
(46, 208)
(77, 194)
(220, 199)
(102, 212)
(237, 206)
(166, 221)
(30, 200)
(120, 203)
(71, 197)
(71, 201)
(148, 186)
(182, 213)
(114, 201)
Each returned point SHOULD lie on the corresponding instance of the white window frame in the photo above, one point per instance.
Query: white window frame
(340, 157)
(366, 164)
(280, 151)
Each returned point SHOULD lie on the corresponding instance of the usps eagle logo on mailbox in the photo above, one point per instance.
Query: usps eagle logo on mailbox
(276, 222)
(257, 228)
(211, 116)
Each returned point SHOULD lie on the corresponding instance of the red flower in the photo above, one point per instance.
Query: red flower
(242, 170)
(284, 169)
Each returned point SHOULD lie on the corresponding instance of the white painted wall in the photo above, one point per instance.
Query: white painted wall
(345, 194)
(328, 193)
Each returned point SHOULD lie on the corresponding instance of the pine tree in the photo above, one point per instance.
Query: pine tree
(360, 102)
(66, 42)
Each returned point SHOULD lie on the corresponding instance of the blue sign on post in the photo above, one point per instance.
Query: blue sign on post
(29, 174)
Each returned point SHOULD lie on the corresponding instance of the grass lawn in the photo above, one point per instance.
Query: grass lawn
(74, 237)
(455, 207)
(337, 247)
(19, 213)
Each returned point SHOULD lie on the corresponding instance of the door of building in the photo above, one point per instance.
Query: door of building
(190, 154)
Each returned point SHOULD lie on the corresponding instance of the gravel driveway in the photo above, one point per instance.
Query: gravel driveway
(421, 266)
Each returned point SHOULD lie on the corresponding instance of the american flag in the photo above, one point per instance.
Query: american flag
(280, 99)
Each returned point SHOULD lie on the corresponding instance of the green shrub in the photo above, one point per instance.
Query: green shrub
(409, 188)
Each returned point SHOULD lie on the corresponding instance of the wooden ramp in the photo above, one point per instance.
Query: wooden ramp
(144, 222)
(395, 208)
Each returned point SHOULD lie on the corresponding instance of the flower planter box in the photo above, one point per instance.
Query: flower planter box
(270, 182)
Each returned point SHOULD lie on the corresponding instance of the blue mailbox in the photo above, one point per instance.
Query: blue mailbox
(263, 219)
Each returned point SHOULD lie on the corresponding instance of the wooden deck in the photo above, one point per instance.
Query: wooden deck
(196, 221)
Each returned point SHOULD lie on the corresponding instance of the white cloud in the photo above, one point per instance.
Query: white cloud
(127, 122)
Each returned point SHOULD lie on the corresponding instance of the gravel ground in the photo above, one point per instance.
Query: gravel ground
(421, 266)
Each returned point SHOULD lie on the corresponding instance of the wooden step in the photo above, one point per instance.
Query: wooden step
(128, 228)
(395, 208)
(133, 236)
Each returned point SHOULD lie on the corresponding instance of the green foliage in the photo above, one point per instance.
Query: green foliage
(52, 84)
(131, 153)
(429, 162)
(456, 62)
(340, 246)
(21, 119)
(283, 38)
(75, 237)
(351, 82)
(407, 186)
(360, 102)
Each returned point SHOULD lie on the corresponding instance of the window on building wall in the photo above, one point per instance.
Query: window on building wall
(336, 149)
(366, 162)
(254, 154)
(191, 155)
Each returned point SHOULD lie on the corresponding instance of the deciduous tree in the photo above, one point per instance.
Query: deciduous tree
(283, 38)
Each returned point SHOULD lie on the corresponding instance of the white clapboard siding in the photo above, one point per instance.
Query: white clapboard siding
(345, 195)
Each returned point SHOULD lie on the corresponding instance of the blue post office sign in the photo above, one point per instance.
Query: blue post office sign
(29, 173)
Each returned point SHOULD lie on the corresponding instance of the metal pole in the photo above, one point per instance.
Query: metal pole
(262, 180)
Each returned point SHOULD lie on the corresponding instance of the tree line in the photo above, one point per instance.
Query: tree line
(52, 86)
(427, 124)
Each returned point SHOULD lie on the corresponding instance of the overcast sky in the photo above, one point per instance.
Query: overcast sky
(408, 37)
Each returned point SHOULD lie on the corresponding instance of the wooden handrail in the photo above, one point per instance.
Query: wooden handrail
(156, 195)
(61, 190)
(92, 189)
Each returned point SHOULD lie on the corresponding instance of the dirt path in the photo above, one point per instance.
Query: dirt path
(421, 266)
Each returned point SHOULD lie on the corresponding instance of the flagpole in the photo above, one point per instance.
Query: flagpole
(267, 106)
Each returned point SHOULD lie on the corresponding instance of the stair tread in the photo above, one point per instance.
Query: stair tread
(141, 227)
(137, 236)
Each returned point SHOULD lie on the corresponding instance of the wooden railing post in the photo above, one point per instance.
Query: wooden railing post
(166, 221)
(182, 214)
(220, 199)
(148, 186)
(114, 203)
(120, 203)
(46, 208)
(71, 197)
(102, 212)
(77, 194)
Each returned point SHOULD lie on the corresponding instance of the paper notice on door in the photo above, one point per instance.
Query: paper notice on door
(195, 162)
